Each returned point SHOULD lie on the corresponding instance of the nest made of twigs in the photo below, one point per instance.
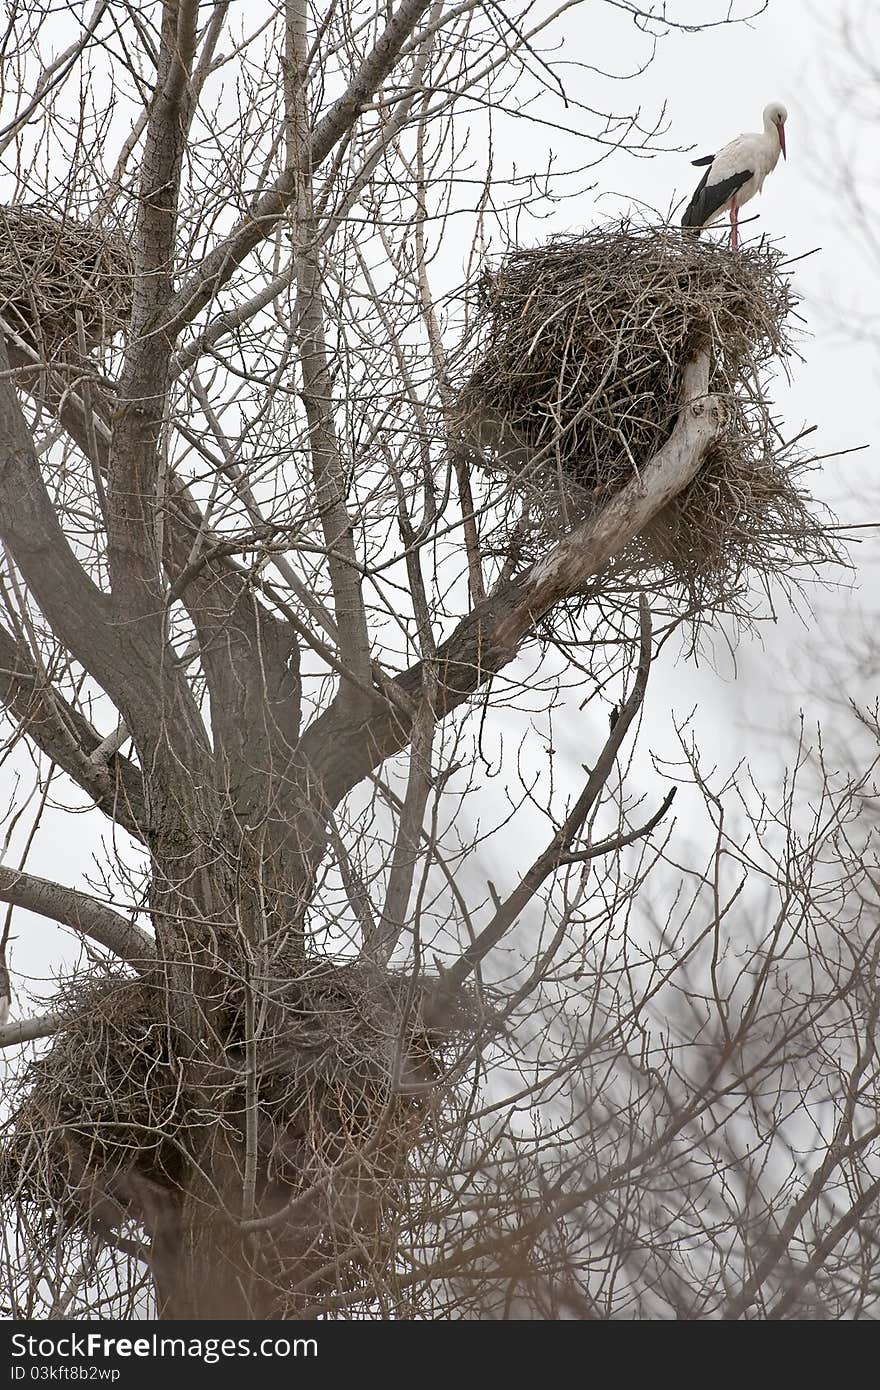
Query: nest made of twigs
(345, 1067)
(54, 270)
(575, 382)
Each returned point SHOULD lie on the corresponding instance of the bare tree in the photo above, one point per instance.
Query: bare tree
(278, 558)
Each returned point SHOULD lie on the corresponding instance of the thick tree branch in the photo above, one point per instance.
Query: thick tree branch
(243, 644)
(67, 737)
(203, 69)
(249, 657)
(485, 641)
(80, 911)
(133, 464)
(76, 609)
(28, 1029)
(167, 723)
(328, 472)
(143, 683)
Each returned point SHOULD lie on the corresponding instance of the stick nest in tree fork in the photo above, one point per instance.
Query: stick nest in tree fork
(54, 268)
(574, 382)
(338, 1096)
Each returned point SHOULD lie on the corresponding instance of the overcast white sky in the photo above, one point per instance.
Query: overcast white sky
(714, 85)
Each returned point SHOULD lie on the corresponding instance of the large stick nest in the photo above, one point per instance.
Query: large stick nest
(53, 269)
(575, 384)
(344, 1073)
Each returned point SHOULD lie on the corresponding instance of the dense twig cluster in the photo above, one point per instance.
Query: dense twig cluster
(53, 269)
(580, 346)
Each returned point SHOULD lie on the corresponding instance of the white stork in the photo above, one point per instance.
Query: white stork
(736, 173)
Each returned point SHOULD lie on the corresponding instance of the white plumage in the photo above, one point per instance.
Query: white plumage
(736, 173)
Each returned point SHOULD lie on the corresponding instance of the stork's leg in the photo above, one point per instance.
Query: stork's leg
(734, 235)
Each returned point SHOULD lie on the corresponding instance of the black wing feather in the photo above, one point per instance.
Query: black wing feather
(709, 197)
(705, 159)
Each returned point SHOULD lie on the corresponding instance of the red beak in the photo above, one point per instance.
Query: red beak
(781, 129)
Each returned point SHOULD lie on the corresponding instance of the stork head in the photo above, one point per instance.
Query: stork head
(775, 116)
